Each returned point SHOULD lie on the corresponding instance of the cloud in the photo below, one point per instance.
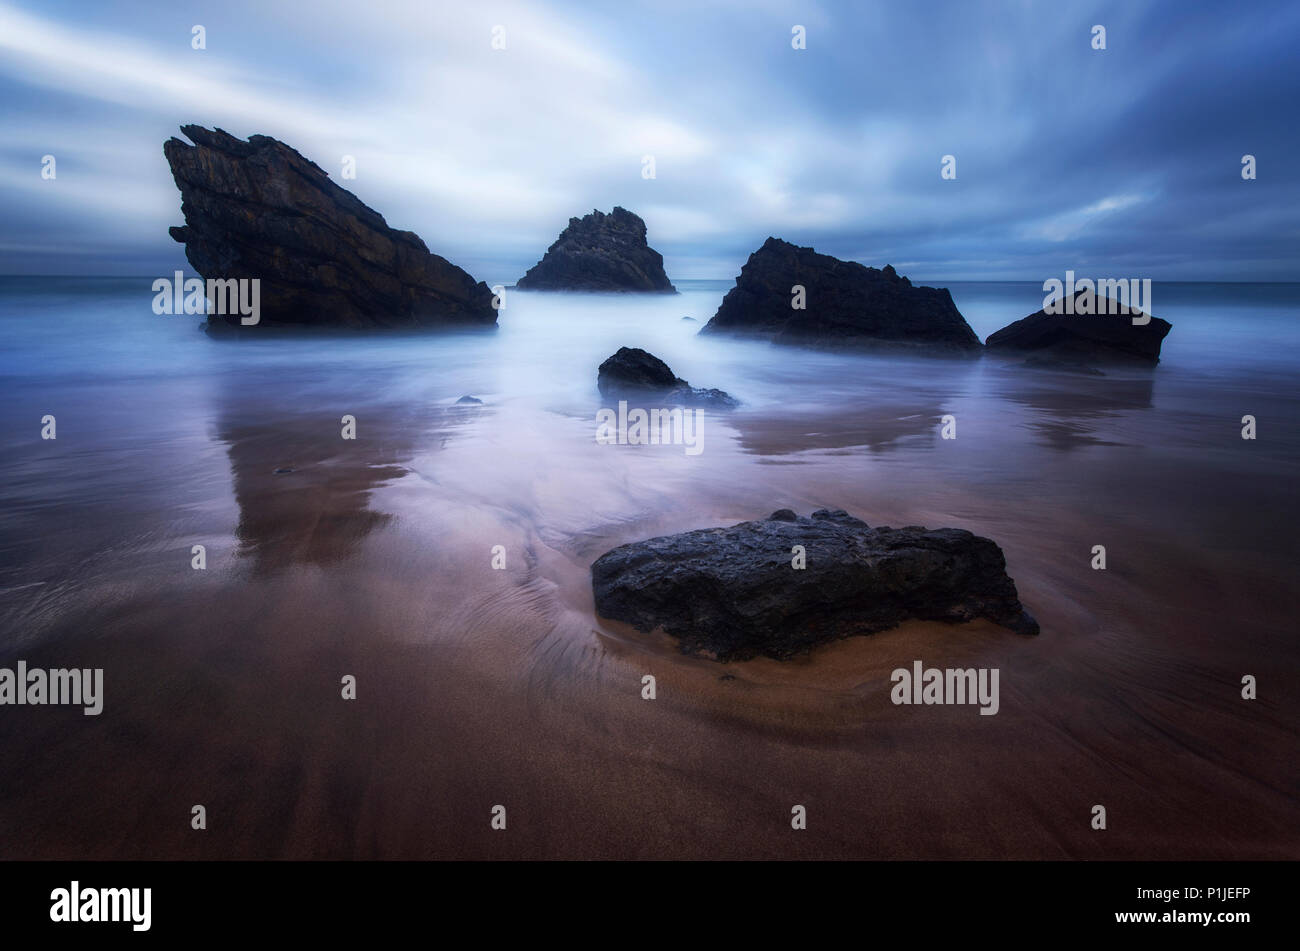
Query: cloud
(1071, 223)
(1062, 150)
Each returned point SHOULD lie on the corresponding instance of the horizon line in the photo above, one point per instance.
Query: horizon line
(1154, 280)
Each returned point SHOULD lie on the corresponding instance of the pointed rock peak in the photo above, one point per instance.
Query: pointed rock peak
(258, 210)
(600, 252)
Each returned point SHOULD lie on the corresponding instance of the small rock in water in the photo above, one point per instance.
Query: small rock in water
(633, 372)
(734, 593)
(691, 319)
(470, 399)
(282, 470)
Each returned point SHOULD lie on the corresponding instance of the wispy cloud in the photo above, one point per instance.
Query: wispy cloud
(1061, 150)
(1070, 224)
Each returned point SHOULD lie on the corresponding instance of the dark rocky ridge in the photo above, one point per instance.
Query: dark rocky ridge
(731, 593)
(600, 252)
(847, 305)
(632, 372)
(1085, 338)
(259, 209)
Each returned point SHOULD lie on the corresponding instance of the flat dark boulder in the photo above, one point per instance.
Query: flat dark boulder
(846, 305)
(600, 252)
(636, 374)
(1085, 338)
(257, 209)
(732, 593)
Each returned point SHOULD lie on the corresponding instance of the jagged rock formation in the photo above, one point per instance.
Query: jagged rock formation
(1085, 338)
(634, 373)
(732, 593)
(259, 209)
(846, 304)
(600, 252)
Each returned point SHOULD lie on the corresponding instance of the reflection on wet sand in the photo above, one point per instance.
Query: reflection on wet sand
(1072, 408)
(304, 491)
(879, 427)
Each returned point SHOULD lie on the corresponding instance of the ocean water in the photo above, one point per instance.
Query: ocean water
(151, 412)
(373, 556)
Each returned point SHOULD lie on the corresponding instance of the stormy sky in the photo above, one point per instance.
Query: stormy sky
(1122, 162)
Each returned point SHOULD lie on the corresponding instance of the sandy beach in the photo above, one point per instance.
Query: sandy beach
(478, 687)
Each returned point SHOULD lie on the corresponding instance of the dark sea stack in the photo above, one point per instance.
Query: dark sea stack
(632, 373)
(847, 304)
(732, 594)
(258, 209)
(600, 252)
(1085, 338)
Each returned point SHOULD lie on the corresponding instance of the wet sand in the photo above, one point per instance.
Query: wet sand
(479, 687)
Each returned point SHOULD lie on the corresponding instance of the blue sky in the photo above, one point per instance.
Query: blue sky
(1124, 162)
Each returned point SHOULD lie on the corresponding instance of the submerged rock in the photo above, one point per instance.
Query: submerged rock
(634, 373)
(600, 252)
(732, 593)
(846, 304)
(1085, 338)
(260, 210)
